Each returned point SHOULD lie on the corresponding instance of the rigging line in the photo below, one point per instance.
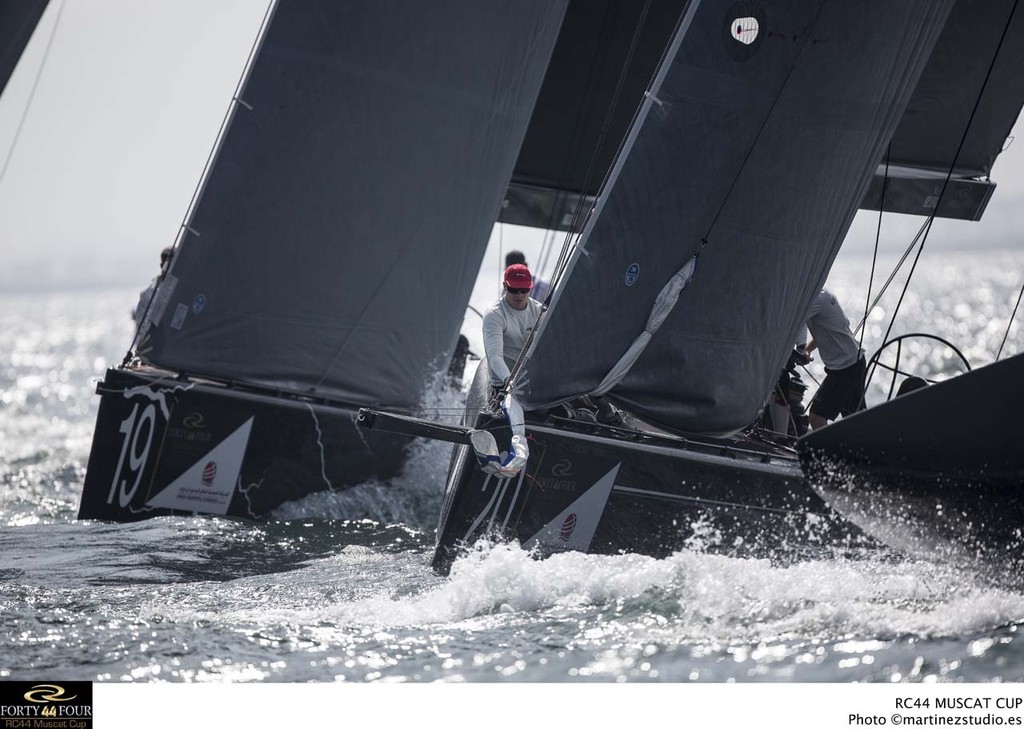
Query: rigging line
(878, 237)
(810, 374)
(246, 71)
(903, 293)
(781, 393)
(501, 256)
(228, 115)
(949, 173)
(31, 93)
(547, 246)
(207, 168)
(1009, 323)
(572, 160)
(545, 250)
(574, 225)
(563, 257)
(892, 275)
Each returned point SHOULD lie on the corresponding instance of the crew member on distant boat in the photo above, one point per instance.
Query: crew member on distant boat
(842, 391)
(457, 365)
(147, 293)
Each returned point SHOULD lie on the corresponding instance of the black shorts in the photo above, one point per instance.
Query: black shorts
(842, 392)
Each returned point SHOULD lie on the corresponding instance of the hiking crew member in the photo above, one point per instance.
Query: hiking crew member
(842, 391)
(147, 293)
(508, 323)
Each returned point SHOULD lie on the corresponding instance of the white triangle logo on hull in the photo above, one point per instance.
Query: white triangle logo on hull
(573, 529)
(208, 485)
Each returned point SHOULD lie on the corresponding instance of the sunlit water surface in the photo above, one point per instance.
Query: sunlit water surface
(339, 587)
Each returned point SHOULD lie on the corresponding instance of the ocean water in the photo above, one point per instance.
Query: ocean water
(338, 587)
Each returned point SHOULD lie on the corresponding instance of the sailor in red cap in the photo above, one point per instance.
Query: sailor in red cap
(507, 326)
(508, 323)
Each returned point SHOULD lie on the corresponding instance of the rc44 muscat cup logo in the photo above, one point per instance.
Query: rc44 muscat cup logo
(45, 705)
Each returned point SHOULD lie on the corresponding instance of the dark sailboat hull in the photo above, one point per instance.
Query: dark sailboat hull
(169, 446)
(609, 490)
(937, 472)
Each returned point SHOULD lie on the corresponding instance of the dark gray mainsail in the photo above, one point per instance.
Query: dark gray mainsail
(606, 54)
(966, 72)
(336, 240)
(959, 117)
(755, 150)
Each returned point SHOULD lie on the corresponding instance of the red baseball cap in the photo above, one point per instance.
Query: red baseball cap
(517, 276)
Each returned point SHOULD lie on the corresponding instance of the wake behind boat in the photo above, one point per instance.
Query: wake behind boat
(935, 471)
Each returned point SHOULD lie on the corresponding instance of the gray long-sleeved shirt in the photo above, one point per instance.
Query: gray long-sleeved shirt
(505, 333)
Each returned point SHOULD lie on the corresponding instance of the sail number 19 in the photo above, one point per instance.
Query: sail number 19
(138, 437)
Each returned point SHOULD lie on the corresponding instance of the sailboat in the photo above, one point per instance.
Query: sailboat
(936, 471)
(327, 257)
(761, 134)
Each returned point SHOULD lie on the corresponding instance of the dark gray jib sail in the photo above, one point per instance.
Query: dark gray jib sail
(760, 139)
(336, 240)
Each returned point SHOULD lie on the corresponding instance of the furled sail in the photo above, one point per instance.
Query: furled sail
(755, 149)
(336, 240)
(971, 90)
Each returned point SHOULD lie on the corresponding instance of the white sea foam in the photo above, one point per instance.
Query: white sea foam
(688, 597)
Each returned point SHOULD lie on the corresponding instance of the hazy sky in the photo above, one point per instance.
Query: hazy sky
(126, 108)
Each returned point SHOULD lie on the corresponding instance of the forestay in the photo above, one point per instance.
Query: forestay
(761, 140)
(336, 241)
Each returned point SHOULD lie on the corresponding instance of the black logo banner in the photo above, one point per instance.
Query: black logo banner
(45, 705)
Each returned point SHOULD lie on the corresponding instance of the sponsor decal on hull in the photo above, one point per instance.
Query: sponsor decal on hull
(208, 485)
(574, 527)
